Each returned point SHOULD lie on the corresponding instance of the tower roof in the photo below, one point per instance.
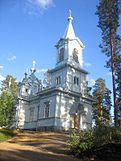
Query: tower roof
(69, 33)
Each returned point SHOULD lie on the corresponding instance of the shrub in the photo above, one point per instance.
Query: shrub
(116, 134)
(74, 142)
(102, 135)
(86, 141)
(82, 142)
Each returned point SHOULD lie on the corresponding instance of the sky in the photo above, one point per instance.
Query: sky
(29, 30)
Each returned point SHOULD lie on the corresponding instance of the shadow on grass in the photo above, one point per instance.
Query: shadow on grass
(5, 131)
(5, 134)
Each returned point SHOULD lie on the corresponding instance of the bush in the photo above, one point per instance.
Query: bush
(102, 135)
(116, 134)
(86, 141)
(82, 142)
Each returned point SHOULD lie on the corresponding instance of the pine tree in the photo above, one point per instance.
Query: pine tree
(108, 12)
(7, 109)
(10, 84)
(8, 101)
(118, 75)
(102, 105)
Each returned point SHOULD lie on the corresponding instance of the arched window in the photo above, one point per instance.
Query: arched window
(75, 55)
(61, 55)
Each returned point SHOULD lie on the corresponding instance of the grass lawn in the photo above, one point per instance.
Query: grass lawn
(5, 134)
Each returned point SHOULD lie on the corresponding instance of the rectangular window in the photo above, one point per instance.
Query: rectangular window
(75, 55)
(58, 80)
(61, 55)
(47, 108)
(31, 117)
(76, 80)
(38, 111)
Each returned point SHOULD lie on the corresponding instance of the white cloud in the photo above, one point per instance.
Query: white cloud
(92, 82)
(1, 78)
(1, 67)
(44, 4)
(86, 64)
(12, 58)
(35, 7)
(41, 70)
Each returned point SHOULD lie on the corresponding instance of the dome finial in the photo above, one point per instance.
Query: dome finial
(33, 69)
(69, 12)
(70, 18)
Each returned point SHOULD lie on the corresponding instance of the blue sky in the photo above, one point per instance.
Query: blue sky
(29, 29)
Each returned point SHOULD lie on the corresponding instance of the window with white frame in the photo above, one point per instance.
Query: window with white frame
(61, 55)
(75, 55)
(76, 80)
(38, 111)
(58, 80)
(47, 109)
(31, 117)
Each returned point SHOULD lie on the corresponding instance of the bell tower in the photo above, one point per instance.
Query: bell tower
(68, 73)
(69, 47)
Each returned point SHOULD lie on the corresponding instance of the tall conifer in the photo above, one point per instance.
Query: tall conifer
(108, 12)
(102, 105)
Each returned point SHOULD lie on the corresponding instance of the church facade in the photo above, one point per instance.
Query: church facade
(63, 101)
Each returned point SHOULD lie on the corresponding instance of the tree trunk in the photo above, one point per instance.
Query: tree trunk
(113, 79)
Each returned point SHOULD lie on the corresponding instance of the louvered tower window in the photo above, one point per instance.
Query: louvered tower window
(75, 55)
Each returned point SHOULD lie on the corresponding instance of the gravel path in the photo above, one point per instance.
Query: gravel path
(35, 146)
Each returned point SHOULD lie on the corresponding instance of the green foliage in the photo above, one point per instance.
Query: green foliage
(85, 142)
(118, 83)
(7, 109)
(7, 101)
(102, 104)
(116, 134)
(5, 134)
(82, 142)
(74, 142)
(10, 85)
(102, 135)
(108, 12)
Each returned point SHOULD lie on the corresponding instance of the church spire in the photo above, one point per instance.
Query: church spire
(33, 69)
(70, 18)
(69, 33)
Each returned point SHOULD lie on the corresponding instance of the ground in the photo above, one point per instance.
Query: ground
(37, 146)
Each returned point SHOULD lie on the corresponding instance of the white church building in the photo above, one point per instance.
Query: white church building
(61, 101)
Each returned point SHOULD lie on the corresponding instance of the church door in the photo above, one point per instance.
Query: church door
(75, 121)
